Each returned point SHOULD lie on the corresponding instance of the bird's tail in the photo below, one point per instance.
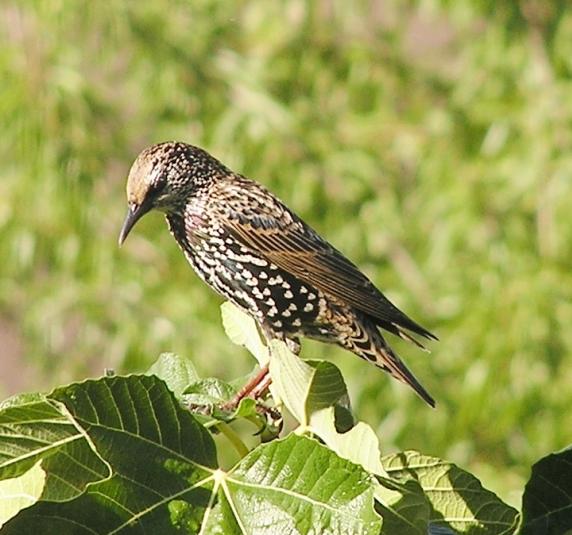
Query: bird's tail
(368, 343)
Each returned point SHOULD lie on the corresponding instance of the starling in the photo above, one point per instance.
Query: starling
(254, 251)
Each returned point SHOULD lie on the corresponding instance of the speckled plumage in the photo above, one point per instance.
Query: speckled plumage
(250, 248)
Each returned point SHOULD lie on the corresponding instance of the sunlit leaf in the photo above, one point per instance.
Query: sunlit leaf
(20, 492)
(242, 330)
(291, 379)
(294, 485)
(305, 386)
(359, 445)
(161, 459)
(36, 428)
(438, 493)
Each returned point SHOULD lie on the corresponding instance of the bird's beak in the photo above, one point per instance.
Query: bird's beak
(135, 212)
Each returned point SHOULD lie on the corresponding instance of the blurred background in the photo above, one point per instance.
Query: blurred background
(429, 140)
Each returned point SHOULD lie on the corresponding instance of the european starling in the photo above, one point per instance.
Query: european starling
(254, 251)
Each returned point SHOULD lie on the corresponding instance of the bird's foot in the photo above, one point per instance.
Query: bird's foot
(254, 388)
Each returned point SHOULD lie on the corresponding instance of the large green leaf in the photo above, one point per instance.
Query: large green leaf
(431, 493)
(295, 486)
(165, 478)
(547, 499)
(34, 428)
(162, 463)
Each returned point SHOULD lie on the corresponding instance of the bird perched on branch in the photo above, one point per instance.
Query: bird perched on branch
(254, 251)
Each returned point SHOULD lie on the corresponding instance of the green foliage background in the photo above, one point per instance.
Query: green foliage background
(428, 140)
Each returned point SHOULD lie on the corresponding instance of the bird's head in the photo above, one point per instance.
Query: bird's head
(164, 177)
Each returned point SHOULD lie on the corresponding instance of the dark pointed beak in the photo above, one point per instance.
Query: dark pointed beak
(134, 214)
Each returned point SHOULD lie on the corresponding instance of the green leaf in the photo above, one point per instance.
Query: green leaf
(243, 331)
(404, 507)
(359, 445)
(294, 485)
(547, 499)
(210, 390)
(177, 372)
(246, 408)
(291, 379)
(439, 494)
(206, 399)
(327, 388)
(20, 492)
(22, 399)
(305, 386)
(35, 428)
(162, 463)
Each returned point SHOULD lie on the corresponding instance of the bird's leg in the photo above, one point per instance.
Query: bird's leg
(262, 377)
(259, 389)
(251, 388)
(256, 387)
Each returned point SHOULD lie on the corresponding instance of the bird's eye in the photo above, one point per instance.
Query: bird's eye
(155, 189)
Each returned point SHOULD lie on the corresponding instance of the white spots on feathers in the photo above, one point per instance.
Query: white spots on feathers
(274, 297)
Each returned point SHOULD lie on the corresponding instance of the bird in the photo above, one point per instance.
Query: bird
(248, 246)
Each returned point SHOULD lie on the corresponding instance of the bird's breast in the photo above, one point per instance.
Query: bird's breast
(275, 297)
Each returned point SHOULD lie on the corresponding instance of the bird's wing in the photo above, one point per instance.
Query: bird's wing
(282, 238)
